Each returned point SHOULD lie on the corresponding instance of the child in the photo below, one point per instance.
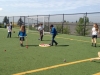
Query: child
(95, 31)
(11, 25)
(22, 34)
(98, 58)
(9, 31)
(54, 33)
(40, 29)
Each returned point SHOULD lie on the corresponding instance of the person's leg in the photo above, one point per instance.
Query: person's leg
(41, 36)
(21, 41)
(54, 40)
(8, 35)
(95, 41)
(92, 40)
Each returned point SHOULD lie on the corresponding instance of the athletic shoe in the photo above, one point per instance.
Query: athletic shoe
(56, 44)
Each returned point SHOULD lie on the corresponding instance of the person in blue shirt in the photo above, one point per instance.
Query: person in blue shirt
(53, 33)
(22, 34)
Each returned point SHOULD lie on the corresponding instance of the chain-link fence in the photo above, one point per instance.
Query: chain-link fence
(74, 24)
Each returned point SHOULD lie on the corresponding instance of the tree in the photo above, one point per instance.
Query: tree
(81, 26)
(6, 20)
(20, 22)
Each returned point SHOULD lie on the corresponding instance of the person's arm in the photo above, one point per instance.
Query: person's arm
(25, 34)
(18, 33)
(52, 31)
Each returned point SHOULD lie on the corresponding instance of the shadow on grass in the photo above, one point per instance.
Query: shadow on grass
(15, 37)
(51, 46)
(96, 61)
(32, 45)
(62, 45)
(46, 40)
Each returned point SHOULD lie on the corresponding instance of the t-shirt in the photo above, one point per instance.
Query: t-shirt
(94, 32)
(22, 34)
(9, 28)
(53, 31)
(40, 28)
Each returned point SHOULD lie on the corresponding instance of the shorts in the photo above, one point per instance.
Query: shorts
(41, 32)
(22, 39)
(94, 36)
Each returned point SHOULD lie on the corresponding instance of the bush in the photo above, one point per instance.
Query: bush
(59, 28)
(1, 25)
(66, 30)
(81, 26)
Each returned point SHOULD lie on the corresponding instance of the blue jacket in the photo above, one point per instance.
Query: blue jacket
(53, 31)
(22, 34)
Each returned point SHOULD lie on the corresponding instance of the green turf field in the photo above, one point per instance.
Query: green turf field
(16, 60)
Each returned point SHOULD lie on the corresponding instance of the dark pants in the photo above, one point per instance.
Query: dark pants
(9, 35)
(53, 41)
(41, 35)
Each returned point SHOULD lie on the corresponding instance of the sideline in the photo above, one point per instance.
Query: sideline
(52, 67)
(97, 73)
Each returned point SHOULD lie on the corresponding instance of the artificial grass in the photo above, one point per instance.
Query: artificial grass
(18, 59)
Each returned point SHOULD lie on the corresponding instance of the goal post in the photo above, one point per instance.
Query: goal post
(39, 19)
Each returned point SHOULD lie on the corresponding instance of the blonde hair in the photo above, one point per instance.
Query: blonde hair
(96, 26)
(22, 28)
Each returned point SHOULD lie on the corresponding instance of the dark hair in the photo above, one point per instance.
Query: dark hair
(96, 26)
(51, 25)
(41, 24)
(22, 28)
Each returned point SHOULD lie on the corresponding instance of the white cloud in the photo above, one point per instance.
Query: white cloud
(53, 5)
(0, 9)
(46, 6)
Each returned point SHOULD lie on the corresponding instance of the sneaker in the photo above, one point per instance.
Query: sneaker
(21, 45)
(50, 45)
(56, 44)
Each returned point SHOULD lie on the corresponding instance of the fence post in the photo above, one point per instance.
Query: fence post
(48, 23)
(85, 16)
(13, 21)
(24, 20)
(37, 19)
(62, 23)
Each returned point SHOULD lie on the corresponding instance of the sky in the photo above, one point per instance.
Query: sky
(46, 7)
